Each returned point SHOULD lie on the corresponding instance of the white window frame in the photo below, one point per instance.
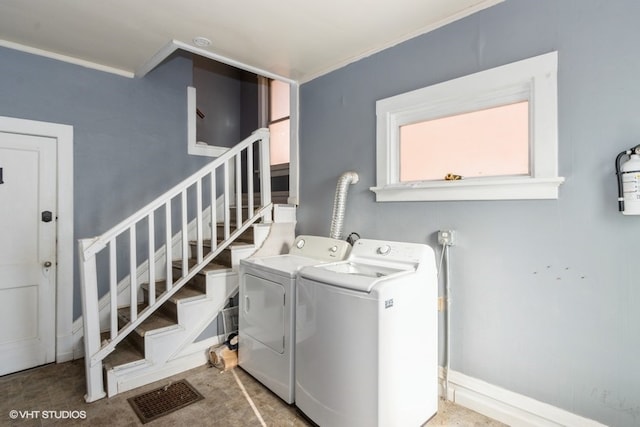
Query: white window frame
(533, 80)
(202, 149)
(293, 167)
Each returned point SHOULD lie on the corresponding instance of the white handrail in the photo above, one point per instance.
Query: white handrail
(95, 349)
(100, 242)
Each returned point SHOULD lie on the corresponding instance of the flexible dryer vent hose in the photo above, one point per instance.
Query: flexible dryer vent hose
(340, 202)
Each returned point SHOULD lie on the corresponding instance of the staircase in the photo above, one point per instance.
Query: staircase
(167, 342)
(150, 289)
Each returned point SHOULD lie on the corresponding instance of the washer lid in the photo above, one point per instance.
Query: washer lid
(350, 275)
(283, 265)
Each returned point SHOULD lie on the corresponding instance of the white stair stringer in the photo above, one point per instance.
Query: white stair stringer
(167, 349)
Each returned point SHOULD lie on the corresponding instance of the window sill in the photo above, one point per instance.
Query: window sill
(513, 188)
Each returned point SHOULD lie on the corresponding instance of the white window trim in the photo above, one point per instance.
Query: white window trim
(293, 167)
(294, 152)
(533, 79)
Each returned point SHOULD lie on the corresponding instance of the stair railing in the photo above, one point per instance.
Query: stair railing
(114, 243)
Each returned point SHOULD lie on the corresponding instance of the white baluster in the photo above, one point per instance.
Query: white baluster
(168, 245)
(185, 236)
(214, 216)
(133, 277)
(113, 287)
(199, 245)
(227, 201)
(238, 190)
(265, 177)
(250, 195)
(152, 257)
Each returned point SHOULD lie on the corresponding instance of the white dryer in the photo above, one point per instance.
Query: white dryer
(367, 338)
(267, 310)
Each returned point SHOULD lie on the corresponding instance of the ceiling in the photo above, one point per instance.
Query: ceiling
(295, 40)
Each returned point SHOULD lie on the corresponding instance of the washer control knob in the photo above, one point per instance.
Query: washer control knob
(384, 250)
(300, 244)
(333, 249)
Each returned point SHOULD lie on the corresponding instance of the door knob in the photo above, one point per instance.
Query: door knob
(47, 264)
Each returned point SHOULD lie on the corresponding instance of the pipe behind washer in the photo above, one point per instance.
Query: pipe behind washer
(340, 203)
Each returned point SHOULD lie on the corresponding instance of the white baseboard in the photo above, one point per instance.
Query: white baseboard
(509, 407)
(137, 375)
(64, 348)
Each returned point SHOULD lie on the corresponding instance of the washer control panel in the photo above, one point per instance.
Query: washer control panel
(390, 251)
(384, 250)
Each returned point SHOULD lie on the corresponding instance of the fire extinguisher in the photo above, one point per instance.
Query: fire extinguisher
(629, 181)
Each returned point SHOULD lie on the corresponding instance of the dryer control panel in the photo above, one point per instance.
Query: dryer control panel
(320, 248)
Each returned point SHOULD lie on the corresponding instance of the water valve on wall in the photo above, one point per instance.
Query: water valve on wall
(628, 174)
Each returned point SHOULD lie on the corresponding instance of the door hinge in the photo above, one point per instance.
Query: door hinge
(442, 303)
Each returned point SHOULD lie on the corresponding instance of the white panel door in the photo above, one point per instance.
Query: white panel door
(27, 251)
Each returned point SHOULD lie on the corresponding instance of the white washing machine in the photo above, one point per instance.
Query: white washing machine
(367, 338)
(267, 310)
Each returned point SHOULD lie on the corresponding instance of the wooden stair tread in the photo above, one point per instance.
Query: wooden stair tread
(124, 353)
(279, 197)
(212, 266)
(157, 320)
(185, 292)
(207, 243)
(237, 242)
(246, 234)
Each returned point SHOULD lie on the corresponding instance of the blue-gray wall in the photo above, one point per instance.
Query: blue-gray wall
(129, 134)
(545, 294)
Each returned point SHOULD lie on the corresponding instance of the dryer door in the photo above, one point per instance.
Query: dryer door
(263, 311)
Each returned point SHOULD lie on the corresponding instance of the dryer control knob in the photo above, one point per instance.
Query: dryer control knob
(334, 249)
(300, 243)
(384, 250)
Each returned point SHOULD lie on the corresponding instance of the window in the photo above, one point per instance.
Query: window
(496, 129)
(466, 144)
(279, 122)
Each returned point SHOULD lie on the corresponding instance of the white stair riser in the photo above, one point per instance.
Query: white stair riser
(164, 347)
(193, 317)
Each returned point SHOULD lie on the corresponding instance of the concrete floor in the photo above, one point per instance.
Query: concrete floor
(60, 389)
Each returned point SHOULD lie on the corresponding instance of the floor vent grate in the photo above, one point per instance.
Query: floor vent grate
(164, 400)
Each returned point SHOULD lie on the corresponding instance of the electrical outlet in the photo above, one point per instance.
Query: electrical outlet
(446, 237)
